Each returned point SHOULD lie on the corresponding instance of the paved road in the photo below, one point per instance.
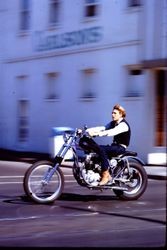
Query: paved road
(80, 217)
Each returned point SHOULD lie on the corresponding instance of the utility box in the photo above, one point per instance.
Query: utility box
(57, 141)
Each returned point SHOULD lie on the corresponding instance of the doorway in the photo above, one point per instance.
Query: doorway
(160, 107)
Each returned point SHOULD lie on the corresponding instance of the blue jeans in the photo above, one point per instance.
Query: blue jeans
(107, 151)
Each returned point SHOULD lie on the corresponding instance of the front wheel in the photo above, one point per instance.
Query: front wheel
(42, 183)
(135, 181)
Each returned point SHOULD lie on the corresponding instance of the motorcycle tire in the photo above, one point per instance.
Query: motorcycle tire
(137, 184)
(37, 188)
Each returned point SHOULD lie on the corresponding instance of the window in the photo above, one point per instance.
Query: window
(23, 126)
(24, 15)
(91, 8)
(134, 3)
(88, 83)
(22, 86)
(135, 83)
(54, 12)
(52, 86)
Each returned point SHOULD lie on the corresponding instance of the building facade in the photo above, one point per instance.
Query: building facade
(66, 63)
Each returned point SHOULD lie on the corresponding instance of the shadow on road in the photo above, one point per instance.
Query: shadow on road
(86, 198)
(83, 198)
(64, 197)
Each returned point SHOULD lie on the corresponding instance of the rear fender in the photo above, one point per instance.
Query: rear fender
(137, 159)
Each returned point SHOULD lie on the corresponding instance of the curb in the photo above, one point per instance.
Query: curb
(156, 177)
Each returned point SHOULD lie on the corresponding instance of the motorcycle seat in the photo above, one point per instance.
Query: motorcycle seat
(129, 153)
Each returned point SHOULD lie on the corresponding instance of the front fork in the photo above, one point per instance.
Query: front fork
(48, 175)
(57, 161)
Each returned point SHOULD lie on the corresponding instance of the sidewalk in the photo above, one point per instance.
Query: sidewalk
(154, 171)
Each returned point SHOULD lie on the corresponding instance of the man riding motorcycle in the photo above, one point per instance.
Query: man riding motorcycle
(121, 132)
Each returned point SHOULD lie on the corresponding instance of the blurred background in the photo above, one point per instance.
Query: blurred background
(68, 62)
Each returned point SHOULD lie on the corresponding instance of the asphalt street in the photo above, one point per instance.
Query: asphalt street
(80, 217)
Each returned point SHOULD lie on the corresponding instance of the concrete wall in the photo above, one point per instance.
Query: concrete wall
(122, 38)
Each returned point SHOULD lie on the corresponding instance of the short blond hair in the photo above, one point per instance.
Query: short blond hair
(120, 109)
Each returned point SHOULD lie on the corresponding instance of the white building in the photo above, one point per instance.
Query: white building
(67, 62)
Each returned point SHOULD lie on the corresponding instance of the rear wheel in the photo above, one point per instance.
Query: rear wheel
(42, 184)
(135, 181)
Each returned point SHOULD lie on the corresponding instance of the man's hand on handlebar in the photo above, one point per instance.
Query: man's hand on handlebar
(79, 131)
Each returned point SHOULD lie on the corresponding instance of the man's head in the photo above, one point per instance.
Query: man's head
(118, 112)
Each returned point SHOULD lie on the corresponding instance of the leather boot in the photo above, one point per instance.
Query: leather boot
(105, 178)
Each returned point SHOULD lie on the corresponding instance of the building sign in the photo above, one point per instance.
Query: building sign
(69, 39)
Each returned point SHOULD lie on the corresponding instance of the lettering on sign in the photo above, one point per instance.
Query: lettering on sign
(69, 39)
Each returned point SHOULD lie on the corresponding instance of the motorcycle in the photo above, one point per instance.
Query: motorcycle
(43, 181)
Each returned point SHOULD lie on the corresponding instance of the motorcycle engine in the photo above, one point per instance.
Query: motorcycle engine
(91, 170)
(90, 177)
